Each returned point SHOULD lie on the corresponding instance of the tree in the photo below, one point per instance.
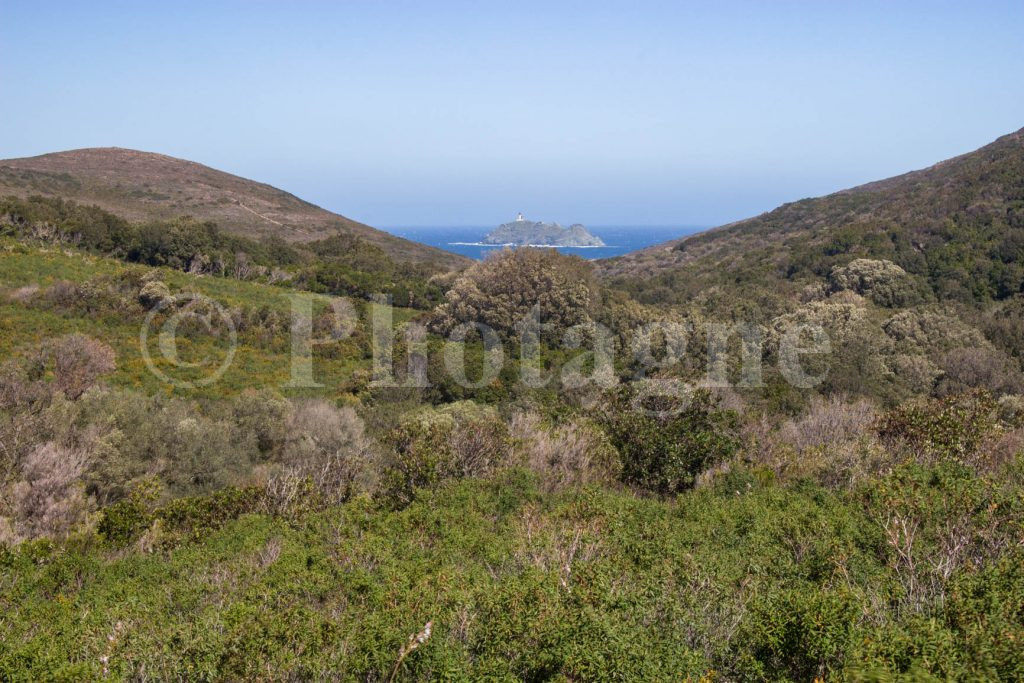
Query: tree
(78, 361)
(501, 291)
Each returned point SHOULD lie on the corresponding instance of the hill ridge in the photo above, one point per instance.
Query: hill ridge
(958, 223)
(671, 254)
(143, 185)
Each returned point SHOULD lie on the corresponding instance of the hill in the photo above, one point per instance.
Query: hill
(145, 186)
(959, 224)
(190, 487)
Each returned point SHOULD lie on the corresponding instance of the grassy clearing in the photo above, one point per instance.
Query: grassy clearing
(24, 327)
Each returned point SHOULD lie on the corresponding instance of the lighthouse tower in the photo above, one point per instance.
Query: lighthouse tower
(519, 217)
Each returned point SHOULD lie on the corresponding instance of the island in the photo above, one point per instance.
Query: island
(522, 232)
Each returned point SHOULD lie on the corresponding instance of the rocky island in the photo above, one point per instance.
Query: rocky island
(522, 232)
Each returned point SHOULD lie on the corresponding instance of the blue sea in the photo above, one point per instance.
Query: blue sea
(618, 239)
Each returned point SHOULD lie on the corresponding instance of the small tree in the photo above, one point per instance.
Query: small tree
(665, 446)
(502, 290)
(78, 361)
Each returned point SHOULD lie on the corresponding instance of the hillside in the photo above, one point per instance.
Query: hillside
(189, 504)
(959, 224)
(145, 186)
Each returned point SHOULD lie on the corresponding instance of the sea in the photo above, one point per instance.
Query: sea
(619, 239)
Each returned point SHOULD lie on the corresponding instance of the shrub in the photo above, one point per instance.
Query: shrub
(938, 430)
(1011, 410)
(189, 449)
(461, 440)
(328, 446)
(20, 385)
(917, 374)
(1004, 326)
(154, 293)
(828, 421)
(883, 282)
(978, 368)
(188, 519)
(570, 455)
(919, 330)
(937, 519)
(78, 361)
(180, 520)
(839, 320)
(501, 290)
(663, 447)
(124, 521)
(48, 499)
(264, 416)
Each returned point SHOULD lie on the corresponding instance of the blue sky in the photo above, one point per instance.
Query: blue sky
(451, 113)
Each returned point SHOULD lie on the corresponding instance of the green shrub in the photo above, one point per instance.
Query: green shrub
(123, 522)
(883, 282)
(188, 519)
(950, 429)
(665, 453)
(459, 441)
(501, 291)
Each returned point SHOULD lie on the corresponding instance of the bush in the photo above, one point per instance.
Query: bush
(264, 417)
(664, 454)
(188, 519)
(1011, 410)
(979, 368)
(828, 421)
(501, 291)
(154, 294)
(951, 429)
(189, 449)
(78, 361)
(328, 446)
(929, 331)
(833, 443)
(49, 499)
(124, 521)
(430, 446)
(570, 455)
(181, 520)
(883, 282)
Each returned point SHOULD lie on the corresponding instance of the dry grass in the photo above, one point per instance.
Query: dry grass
(575, 454)
(833, 442)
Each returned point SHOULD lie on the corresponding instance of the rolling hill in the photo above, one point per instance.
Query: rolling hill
(144, 186)
(959, 224)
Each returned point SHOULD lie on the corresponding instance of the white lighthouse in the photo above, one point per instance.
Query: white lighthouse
(519, 217)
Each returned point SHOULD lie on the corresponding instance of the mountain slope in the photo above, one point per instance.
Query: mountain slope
(959, 223)
(143, 186)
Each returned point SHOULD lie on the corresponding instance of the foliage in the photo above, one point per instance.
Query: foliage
(950, 429)
(664, 443)
(883, 282)
(502, 290)
(458, 441)
(327, 445)
(569, 455)
(743, 580)
(341, 265)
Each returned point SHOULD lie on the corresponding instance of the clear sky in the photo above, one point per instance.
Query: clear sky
(451, 113)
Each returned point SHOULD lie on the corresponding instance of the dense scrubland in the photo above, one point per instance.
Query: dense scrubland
(868, 527)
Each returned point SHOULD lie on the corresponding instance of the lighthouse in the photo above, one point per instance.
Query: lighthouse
(519, 217)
